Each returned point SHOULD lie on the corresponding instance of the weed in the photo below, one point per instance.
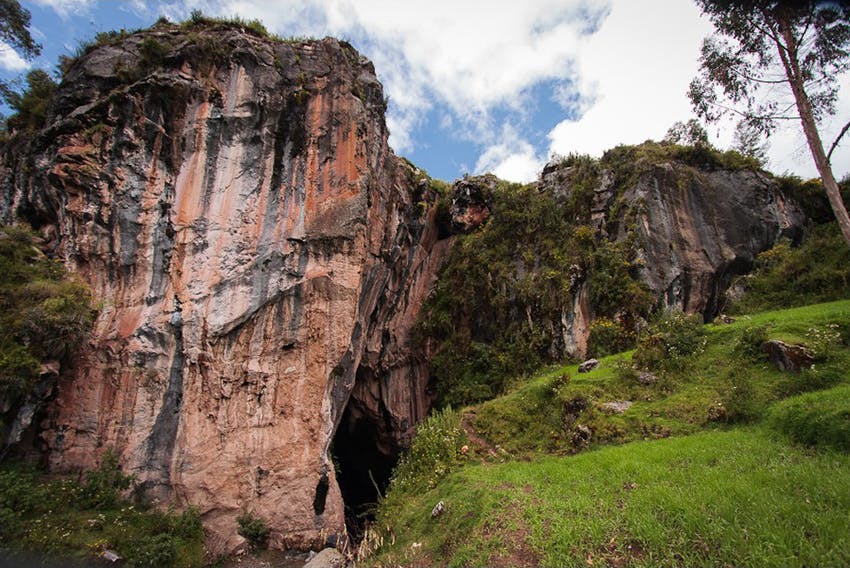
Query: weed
(254, 529)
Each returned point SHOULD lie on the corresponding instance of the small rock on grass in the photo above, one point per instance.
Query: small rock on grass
(327, 558)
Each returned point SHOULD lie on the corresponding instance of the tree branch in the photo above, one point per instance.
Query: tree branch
(837, 140)
(744, 114)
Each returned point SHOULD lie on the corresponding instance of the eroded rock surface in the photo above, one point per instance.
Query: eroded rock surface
(696, 229)
(259, 253)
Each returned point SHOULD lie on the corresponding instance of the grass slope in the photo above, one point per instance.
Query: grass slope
(762, 482)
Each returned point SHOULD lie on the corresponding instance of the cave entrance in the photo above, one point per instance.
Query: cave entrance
(364, 455)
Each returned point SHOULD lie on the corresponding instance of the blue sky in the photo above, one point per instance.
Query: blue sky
(482, 85)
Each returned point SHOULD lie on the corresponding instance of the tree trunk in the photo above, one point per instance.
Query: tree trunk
(788, 55)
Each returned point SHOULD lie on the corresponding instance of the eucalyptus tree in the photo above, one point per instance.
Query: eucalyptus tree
(15, 33)
(773, 60)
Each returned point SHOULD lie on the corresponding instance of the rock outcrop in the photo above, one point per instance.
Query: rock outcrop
(696, 228)
(259, 253)
(261, 257)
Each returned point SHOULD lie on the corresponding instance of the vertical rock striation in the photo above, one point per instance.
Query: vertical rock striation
(259, 253)
(696, 228)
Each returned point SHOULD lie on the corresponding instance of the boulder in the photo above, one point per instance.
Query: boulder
(789, 358)
(616, 406)
(327, 558)
(438, 509)
(647, 378)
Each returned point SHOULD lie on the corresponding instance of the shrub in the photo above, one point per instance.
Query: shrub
(815, 419)
(432, 454)
(153, 551)
(751, 342)
(152, 53)
(739, 398)
(103, 486)
(816, 271)
(187, 524)
(254, 529)
(44, 313)
(823, 340)
(671, 342)
(608, 337)
(815, 378)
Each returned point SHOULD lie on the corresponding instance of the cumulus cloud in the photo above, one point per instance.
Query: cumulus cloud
(65, 7)
(470, 56)
(635, 70)
(618, 70)
(10, 60)
(512, 158)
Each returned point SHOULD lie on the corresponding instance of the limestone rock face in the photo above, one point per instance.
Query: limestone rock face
(696, 229)
(259, 254)
(700, 231)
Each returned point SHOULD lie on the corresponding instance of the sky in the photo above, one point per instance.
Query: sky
(483, 85)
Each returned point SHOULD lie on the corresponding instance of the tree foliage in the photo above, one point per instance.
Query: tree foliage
(44, 315)
(14, 32)
(30, 106)
(742, 71)
(772, 61)
(690, 133)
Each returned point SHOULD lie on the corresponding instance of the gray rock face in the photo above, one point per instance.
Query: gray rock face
(697, 229)
(260, 255)
(701, 231)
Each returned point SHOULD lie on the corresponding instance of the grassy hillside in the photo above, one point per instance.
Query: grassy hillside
(753, 470)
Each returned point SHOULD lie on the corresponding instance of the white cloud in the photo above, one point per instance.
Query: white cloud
(471, 56)
(65, 7)
(639, 65)
(627, 81)
(636, 68)
(10, 60)
(512, 158)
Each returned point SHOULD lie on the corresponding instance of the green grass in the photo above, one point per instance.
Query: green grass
(816, 419)
(762, 481)
(61, 519)
(736, 498)
(533, 418)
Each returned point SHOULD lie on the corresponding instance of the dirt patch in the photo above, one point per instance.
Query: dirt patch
(267, 559)
(513, 533)
(480, 445)
(616, 554)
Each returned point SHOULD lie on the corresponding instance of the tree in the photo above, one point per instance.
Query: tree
(14, 31)
(775, 60)
(31, 105)
(690, 133)
(749, 142)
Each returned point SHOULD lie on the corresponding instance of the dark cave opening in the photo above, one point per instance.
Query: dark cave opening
(364, 459)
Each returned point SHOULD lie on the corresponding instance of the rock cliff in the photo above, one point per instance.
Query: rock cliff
(259, 253)
(261, 257)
